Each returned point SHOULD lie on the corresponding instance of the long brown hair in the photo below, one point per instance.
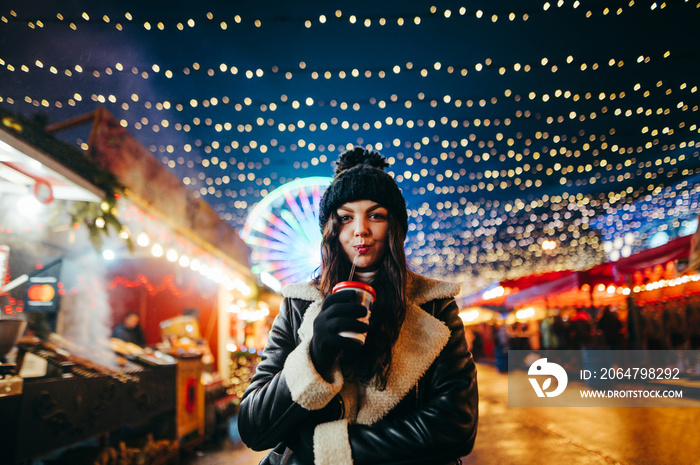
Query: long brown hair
(389, 311)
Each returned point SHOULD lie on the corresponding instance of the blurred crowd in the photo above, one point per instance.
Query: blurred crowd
(670, 325)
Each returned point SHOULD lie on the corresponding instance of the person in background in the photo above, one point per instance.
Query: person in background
(693, 318)
(676, 323)
(408, 395)
(501, 343)
(477, 348)
(129, 330)
(611, 327)
(559, 331)
(581, 330)
(653, 326)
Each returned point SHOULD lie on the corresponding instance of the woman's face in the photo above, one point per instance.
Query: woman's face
(364, 227)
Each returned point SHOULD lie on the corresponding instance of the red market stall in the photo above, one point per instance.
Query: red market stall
(642, 289)
(117, 236)
(649, 259)
(652, 275)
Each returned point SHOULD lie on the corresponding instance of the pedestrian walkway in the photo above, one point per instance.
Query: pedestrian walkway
(532, 436)
(227, 452)
(580, 435)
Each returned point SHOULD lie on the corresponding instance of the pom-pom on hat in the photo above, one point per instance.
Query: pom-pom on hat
(360, 175)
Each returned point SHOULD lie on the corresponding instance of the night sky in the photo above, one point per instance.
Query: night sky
(508, 123)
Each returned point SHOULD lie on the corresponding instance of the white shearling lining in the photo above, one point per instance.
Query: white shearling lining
(332, 444)
(308, 388)
(420, 289)
(304, 291)
(421, 339)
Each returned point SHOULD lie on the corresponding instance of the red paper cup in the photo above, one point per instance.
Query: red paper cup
(365, 296)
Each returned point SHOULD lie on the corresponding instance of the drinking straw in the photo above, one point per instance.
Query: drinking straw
(352, 270)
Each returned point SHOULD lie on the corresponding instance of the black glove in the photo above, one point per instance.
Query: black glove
(340, 312)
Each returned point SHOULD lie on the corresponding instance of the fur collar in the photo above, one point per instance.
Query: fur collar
(419, 290)
(421, 339)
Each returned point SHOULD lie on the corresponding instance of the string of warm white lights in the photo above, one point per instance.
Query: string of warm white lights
(378, 124)
(435, 141)
(246, 126)
(503, 173)
(568, 63)
(407, 176)
(676, 205)
(521, 234)
(490, 186)
(161, 241)
(355, 126)
(492, 15)
(366, 126)
(496, 294)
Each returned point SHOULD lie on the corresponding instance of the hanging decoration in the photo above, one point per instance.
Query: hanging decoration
(168, 284)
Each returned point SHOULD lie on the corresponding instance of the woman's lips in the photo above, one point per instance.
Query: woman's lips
(361, 249)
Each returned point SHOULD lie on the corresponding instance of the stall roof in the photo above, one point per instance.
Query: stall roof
(566, 281)
(24, 168)
(528, 288)
(525, 282)
(672, 250)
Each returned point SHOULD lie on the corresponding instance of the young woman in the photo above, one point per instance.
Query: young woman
(408, 395)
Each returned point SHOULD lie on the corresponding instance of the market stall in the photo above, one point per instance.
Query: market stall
(79, 251)
(651, 297)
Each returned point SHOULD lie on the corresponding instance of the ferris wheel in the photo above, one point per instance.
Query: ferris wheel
(283, 232)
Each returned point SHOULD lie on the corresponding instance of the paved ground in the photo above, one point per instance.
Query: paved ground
(567, 436)
(581, 435)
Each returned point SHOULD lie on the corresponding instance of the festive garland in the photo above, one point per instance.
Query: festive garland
(98, 218)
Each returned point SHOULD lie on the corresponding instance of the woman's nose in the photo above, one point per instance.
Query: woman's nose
(361, 228)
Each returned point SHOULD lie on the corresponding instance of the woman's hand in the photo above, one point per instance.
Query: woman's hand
(340, 312)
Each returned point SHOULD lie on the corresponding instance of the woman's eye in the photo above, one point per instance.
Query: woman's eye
(378, 216)
(345, 218)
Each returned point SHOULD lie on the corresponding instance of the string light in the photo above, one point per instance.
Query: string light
(366, 20)
(328, 73)
(475, 158)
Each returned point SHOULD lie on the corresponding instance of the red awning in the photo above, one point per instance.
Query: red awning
(599, 274)
(525, 282)
(528, 288)
(672, 250)
(567, 281)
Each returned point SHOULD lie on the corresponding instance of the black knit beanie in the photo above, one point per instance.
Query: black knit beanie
(360, 175)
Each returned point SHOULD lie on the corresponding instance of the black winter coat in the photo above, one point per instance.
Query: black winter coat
(426, 415)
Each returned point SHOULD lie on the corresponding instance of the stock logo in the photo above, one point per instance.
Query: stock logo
(542, 367)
